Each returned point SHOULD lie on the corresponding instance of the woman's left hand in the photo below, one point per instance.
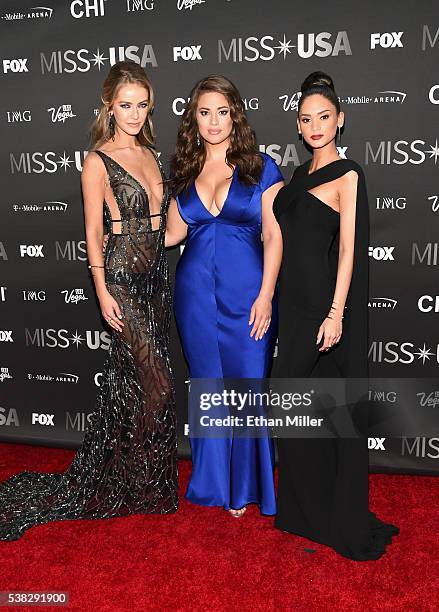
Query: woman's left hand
(330, 330)
(260, 317)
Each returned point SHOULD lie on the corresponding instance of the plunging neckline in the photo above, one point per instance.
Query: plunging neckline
(136, 180)
(225, 201)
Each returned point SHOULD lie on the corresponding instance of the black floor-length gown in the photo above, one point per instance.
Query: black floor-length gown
(127, 463)
(323, 483)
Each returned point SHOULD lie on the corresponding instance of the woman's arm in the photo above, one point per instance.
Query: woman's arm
(260, 314)
(331, 328)
(176, 228)
(93, 191)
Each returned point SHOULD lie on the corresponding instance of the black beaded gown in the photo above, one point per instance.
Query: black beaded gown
(127, 463)
(323, 483)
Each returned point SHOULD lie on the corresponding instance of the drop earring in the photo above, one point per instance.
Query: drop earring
(339, 135)
(301, 140)
(111, 126)
(198, 139)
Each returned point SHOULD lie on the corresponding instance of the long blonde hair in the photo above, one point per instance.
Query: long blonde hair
(120, 74)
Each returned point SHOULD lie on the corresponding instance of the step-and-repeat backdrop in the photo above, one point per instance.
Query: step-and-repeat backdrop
(383, 58)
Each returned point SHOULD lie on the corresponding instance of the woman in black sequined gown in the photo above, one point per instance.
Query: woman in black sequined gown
(127, 462)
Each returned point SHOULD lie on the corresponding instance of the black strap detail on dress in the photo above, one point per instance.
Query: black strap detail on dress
(302, 181)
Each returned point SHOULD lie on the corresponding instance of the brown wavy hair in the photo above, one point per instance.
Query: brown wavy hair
(189, 157)
(120, 74)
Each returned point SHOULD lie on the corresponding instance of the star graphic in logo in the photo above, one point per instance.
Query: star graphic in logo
(285, 46)
(64, 161)
(98, 59)
(434, 152)
(424, 353)
(76, 338)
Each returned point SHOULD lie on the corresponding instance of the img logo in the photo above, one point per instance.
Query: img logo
(32, 295)
(139, 5)
(390, 203)
(19, 116)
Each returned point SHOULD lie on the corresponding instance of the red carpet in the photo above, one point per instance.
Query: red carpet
(203, 559)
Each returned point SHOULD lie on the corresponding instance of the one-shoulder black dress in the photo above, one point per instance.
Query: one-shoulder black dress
(323, 483)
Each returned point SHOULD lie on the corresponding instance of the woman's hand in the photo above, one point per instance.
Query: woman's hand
(260, 317)
(111, 311)
(330, 330)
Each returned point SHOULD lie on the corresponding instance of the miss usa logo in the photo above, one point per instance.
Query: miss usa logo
(251, 49)
(9, 417)
(63, 339)
(37, 162)
(402, 352)
(82, 60)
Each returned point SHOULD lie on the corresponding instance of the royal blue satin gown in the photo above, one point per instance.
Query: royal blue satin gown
(218, 277)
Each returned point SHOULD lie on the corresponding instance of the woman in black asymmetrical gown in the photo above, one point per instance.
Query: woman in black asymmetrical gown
(323, 215)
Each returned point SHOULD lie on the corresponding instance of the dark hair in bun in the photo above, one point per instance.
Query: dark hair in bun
(319, 83)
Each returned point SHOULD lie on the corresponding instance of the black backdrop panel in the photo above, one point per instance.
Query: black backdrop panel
(383, 58)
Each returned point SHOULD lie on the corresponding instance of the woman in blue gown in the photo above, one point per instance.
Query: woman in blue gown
(224, 301)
